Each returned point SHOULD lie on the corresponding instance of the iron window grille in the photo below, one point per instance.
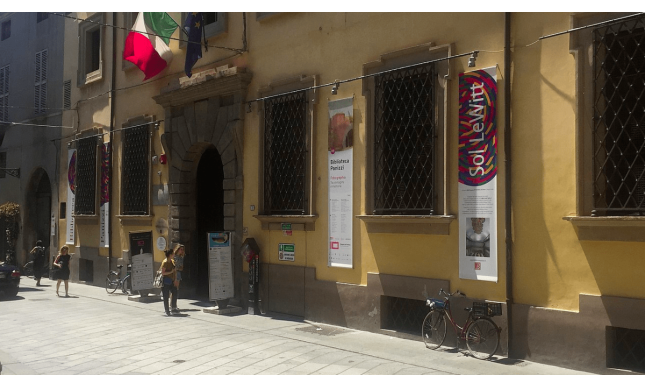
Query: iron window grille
(404, 144)
(285, 153)
(403, 314)
(135, 171)
(619, 118)
(67, 95)
(4, 93)
(85, 202)
(626, 348)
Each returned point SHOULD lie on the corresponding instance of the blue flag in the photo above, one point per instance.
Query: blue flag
(193, 25)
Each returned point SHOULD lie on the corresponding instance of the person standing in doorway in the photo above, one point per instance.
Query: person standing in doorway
(62, 274)
(38, 254)
(180, 254)
(168, 271)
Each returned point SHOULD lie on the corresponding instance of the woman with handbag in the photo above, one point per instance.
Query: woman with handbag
(62, 274)
(168, 271)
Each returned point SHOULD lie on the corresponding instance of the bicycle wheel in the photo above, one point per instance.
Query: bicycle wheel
(112, 282)
(434, 329)
(482, 338)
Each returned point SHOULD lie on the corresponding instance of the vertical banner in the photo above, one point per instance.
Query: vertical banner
(71, 193)
(142, 260)
(340, 156)
(105, 195)
(478, 175)
(220, 266)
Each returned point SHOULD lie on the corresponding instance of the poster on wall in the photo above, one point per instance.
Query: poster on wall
(142, 260)
(220, 265)
(340, 166)
(478, 175)
(105, 196)
(71, 193)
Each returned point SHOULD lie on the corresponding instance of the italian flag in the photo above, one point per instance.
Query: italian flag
(147, 44)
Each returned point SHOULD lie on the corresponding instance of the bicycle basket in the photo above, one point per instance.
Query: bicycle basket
(434, 303)
(487, 309)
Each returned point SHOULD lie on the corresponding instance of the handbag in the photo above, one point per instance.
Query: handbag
(158, 282)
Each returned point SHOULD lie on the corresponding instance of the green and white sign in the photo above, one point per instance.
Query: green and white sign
(287, 252)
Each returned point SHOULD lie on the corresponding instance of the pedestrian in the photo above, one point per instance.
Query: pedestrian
(168, 272)
(180, 254)
(38, 254)
(62, 274)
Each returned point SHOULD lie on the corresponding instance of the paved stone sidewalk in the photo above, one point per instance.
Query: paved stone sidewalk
(95, 333)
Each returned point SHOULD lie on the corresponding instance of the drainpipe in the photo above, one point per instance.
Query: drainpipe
(507, 164)
(112, 107)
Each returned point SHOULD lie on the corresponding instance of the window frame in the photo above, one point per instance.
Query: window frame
(5, 32)
(273, 220)
(589, 225)
(85, 28)
(213, 30)
(439, 221)
(138, 121)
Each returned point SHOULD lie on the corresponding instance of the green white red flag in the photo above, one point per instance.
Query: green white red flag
(147, 44)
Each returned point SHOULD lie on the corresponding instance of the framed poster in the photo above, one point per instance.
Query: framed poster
(220, 265)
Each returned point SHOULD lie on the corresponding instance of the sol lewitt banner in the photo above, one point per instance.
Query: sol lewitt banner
(340, 156)
(105, 195)
(71, 193)
(478, 175)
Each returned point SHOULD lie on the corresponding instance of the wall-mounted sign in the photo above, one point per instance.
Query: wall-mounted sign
(161, 243)
(341, 160)
(104, 208)
(220, 265)
(287, 252)
(478, 175)
(142, 260)
(286, 229)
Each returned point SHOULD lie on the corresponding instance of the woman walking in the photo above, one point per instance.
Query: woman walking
(62, 274)
(168, 272)
(180, 254)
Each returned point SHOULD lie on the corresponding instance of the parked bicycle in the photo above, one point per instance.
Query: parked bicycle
(479, 331)
(114, 280)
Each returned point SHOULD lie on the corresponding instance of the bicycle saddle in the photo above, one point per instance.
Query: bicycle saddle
(119, 266)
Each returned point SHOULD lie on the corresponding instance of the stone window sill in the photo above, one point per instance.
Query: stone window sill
(86, 220)
(609, 228)
(408, 224)
(298, 222)
(135, 220)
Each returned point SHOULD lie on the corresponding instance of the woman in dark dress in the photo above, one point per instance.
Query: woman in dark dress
(62, 262)
(38, 254)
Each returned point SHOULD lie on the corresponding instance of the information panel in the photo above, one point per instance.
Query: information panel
(220, 265)
(478, 175)
(142, 260)
(341, 159)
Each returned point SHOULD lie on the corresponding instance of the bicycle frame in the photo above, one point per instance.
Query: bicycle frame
(459, 331)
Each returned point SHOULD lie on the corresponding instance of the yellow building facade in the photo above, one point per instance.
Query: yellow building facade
(570, 284)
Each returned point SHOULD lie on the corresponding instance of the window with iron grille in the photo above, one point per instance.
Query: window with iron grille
(40, 88)
(625, 348)
(85, 177)
(402, 314)
(285, 153)
(4, 93)
(404, 141)
(619, 118)
(135, 170)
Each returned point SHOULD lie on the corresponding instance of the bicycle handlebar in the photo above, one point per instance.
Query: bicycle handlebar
(456, 293)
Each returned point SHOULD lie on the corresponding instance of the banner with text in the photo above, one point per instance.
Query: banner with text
(105, 195)
(220, 265)
(340, 156)
(71, 193)
(142, 260)
(478, 175)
